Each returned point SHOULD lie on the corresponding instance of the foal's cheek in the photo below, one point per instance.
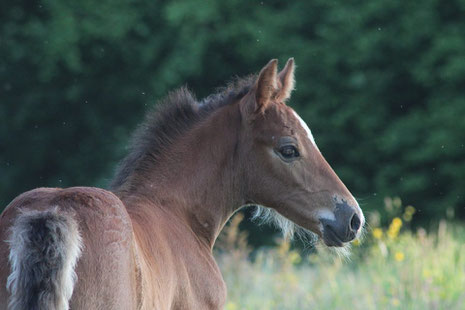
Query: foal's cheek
(275, 165)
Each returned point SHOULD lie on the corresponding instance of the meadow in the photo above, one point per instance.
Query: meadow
(394, 267)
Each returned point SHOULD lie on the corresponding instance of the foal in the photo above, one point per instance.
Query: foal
(148, 243)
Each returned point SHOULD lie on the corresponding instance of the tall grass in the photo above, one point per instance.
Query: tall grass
(391, 269)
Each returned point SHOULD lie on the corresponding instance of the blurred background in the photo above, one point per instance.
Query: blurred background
(380, 83)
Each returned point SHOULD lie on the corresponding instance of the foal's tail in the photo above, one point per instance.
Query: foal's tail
(44, 248)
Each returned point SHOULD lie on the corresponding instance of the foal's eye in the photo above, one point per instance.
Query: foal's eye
(289, 152)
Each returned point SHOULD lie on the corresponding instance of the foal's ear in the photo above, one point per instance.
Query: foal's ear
(286, 78)
(266, 84)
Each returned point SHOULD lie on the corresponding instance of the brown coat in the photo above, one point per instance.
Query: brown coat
(148, 244)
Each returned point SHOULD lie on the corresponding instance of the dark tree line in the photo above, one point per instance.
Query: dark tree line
(381, 84)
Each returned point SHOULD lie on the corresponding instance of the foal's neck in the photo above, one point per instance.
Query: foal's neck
(197, 179)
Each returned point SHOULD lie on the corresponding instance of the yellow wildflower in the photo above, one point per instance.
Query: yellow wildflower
(356, 242)
(399, 256)
(426, 273)
(407, 217)
(394, 228)
(377, 233)
(396, 222)
(410, 210)
(294, 257)
(231, 306)
(408, 213)
(395, 302)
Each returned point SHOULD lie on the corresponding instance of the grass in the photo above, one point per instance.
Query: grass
(391, 269)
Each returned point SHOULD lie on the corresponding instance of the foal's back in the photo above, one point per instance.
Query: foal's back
(56, 233)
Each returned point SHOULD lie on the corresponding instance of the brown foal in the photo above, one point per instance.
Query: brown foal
(147, 243)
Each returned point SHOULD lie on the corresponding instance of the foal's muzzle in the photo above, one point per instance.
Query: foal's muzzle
(343, 228)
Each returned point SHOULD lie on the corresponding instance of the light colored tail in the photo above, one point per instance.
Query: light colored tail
(44, 249)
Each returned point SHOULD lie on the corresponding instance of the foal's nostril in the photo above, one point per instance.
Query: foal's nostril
(355, 222)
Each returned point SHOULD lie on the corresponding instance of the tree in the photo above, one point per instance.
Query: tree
(380, 84)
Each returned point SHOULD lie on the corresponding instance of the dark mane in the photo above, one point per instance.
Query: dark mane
(171, 118)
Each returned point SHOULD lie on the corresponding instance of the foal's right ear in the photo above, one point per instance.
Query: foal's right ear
(267, 84)
(264, 89)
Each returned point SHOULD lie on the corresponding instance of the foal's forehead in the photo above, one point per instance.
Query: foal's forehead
(305, 127)
(293, 119)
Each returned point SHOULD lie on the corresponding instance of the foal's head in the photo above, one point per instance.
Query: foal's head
(285, 171)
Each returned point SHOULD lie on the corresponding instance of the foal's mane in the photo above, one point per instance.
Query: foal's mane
(170, 119)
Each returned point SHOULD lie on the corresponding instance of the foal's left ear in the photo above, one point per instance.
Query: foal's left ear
(286, 78)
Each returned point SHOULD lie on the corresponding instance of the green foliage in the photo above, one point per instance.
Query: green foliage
(380, 84)
(400, 271)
